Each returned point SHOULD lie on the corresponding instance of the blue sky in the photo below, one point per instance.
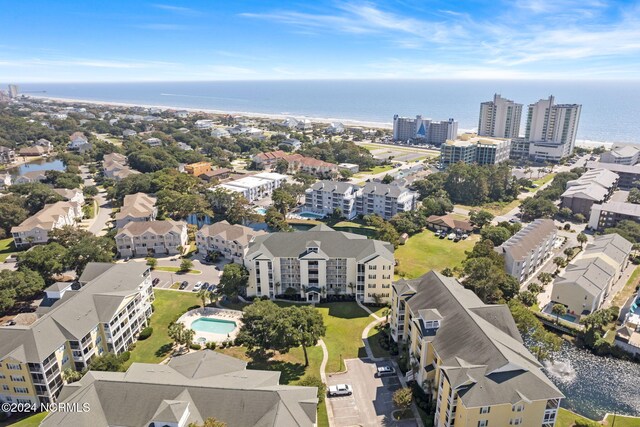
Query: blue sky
(46, 41)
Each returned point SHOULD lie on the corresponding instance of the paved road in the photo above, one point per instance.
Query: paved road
(98, 224)
(371, 403)
(208, 272)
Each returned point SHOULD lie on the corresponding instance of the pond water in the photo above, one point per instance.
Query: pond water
(38, 165)
(595, 385)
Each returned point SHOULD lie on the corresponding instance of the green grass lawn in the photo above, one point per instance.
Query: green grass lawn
(6, 248)
(32, 421)
(540, 182)
(374, 170)
(567, 418)
(424, 252)
(355, 227)
(374, 343)
(169, 306)
(628, 289)
(176, 270)
(622, 421)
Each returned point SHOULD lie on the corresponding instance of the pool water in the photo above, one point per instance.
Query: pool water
(260, 211)
(214, 326)
(310, 215)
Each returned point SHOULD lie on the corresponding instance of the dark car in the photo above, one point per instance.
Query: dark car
(155, 281)
(184, 285)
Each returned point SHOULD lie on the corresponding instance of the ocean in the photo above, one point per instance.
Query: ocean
(610, 111)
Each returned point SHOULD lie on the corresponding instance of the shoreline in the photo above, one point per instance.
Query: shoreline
(584, 143)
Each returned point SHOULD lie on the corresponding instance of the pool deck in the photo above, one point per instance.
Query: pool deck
(309, 215)
(212, 313)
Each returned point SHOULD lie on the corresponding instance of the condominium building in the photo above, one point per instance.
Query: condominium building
(232, 241)
(629, 174)
(500, 118)
(320, 262)
(527, 250)
(35, 229)
(115, 167)
(324, 197)
(385, 200)
(621, 155)
(186, 391)
(473, 149)
(594, 186)
(138, 207)
(424, 130)
(583, 286)
(104, 312)
(552, 129)
(470, 356)
(7, 155)
(150, 238)
(254, 187)
(609, 214)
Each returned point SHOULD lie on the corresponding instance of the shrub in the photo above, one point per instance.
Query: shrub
(402, 398)
(585, 423)
(313, 381)
(195, 346)
(146, 333)
(211, 345)
(125, 356)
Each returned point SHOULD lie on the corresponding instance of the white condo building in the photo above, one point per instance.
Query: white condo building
(255, 187)
(500, 118)
(551, 129)
(425, 130)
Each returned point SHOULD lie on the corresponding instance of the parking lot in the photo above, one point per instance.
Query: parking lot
(371, 402)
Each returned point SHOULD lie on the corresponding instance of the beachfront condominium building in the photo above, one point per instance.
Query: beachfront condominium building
(586, 282)
(621, 155)
(320, 262)
(473, 149)
(229, 240)
(551, 129)
(593, 187)
(424, 130)
(500, 118)
(137, 207)
(35, 229)
(104, 312)
(385, 200)
(149, 238)
(527, 250)
(254, 187)
(187, 391)
(469, 356)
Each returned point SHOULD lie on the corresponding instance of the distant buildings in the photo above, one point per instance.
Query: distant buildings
(551, 129)
(629, 175)
(594, 186)
(232, 241)
(621, 155)
(254, 187)
(35, 229)
(527, 250)
(469, 356)
(319, 262)
(448, 223)
(585, 283)
(72, 326)
(115, 167)
(186, 391)
(609, 214)
(296, 162)
(197, 169)
(335, 128)
(7, 155)
(472, 149)
(385, 200)
(203, 124)
(500, 118)
(424, 130)
(153, 142)
(78, 142)
(151, 238)
(137, 207)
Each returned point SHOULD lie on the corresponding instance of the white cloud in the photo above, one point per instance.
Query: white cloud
(177, 9)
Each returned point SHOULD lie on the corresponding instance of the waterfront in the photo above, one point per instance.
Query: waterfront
(37, 165)
(595, 385)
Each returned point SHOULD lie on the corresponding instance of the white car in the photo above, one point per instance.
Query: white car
(197, 287)
(340, 390)
(385, 371)
(451, 236)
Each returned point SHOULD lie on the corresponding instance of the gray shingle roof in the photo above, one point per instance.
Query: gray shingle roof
(334, 186)
(147, 393)
(528, 239)
(229, 232)
(334, 244)
(479, 345)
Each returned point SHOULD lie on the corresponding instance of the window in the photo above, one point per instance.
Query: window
(5, 387)
(517, 408)
(14, 367)
(515, 421)
(485, 409)
(483, 423)
(21, 390)
(18, 379)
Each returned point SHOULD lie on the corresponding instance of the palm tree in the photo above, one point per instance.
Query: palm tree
(558, 310)
(203, 294)
(582, 239)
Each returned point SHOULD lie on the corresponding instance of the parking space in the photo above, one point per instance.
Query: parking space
(371, 402)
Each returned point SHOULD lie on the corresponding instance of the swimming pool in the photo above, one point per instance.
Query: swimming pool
(214, 326)
(260, 211)
(310, 215)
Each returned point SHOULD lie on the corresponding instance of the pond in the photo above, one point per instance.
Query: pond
(38, 165)
(595, 385)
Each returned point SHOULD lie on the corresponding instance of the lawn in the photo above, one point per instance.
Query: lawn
(32, 421)
(373, 171)
(168, 307)
(566, 418)
(6, 248)
(176, 270)
(374, 343)
(355, 227)
(424, 252)
(496, 208)
(628, 289)
(622, 421)
(542, 181)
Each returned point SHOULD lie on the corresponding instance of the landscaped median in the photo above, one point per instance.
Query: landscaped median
(177, 270)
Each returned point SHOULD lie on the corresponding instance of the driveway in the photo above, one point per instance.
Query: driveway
(208, 272)
(371, 402)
